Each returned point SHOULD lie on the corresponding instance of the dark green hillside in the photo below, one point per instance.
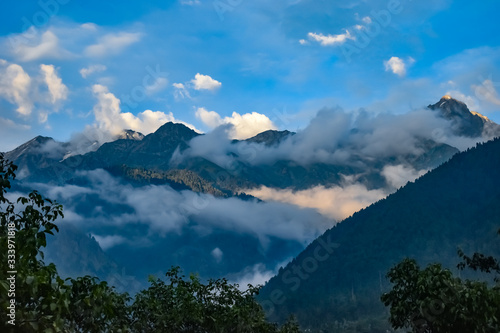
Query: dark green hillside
(154, 150)
(455, 205)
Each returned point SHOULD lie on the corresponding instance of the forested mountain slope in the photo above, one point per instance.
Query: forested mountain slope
(340, 276)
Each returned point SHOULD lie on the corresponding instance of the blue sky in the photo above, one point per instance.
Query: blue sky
(70, 66)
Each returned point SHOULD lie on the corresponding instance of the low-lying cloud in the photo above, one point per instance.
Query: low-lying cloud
(163, 210)
(335, 202)
(110, 121)
(398, 175)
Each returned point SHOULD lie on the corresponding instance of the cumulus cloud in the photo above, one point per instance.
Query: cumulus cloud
(338, 202)
(15, 85)
(205, 82)
(107, 110)
(330, 40)
(86, 71)
(112, 43)
(58, 91)
(110, 119)
(38, 93)
(395, 65)
(243, 126)
(210, 118)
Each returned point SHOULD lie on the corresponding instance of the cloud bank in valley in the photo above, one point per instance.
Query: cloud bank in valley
(162, 210)
(337, 202)
(148, 219)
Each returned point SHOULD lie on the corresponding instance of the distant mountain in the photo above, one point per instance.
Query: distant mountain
(152, 151)
(56, 163)
(37, 157)
(270, 137)
(77, 254)
(335, 284)
(130, 135)
(467, 123)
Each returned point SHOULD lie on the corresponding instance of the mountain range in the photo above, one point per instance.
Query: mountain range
(43, 159)
(242, 208)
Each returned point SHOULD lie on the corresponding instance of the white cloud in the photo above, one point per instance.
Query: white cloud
(330, 40)
(112, 43)
(58, 91)
(395, 65)
(255, 275)
(86, 71)
(15, 85)
(336, 202)
(180, 91)
(398, 175)
(243, 126)
(217, 254)
(110, 119)
(249, 124)
(205, 82)
(149, 121)
(31, 46)
(107, 242)
(107, 110)
(210, 118)
(367, 19)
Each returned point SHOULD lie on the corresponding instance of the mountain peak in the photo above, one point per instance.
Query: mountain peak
(450, 107)
(131, 135)
(467, 123)
(33, 144)
(171, 127)
(270, 137)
